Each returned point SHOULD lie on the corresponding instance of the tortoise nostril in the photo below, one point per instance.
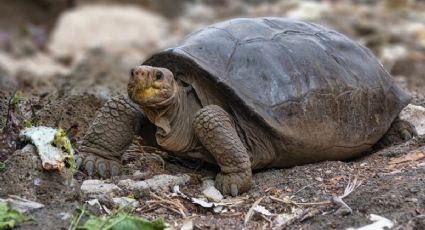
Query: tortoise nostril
(132, 74)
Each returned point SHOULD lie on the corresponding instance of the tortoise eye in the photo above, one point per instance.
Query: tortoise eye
(159, 76)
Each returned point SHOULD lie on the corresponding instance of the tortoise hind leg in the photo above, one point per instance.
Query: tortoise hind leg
(109, 135)
(399, 132)
(216, 131)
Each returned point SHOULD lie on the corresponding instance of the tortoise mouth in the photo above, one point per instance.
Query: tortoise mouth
(147, 95)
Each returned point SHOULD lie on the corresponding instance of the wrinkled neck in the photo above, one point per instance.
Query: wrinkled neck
(174, 122)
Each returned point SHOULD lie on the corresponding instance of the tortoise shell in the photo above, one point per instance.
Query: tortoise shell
(310, 85)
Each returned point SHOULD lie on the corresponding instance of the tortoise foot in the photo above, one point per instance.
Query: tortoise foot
(233, 183)
(96, 166)
(399, 132)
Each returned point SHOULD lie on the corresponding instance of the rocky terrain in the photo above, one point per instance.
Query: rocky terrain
(61, 60)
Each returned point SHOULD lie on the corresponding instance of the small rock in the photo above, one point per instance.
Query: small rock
(156, 184)
(128, 203)
(319, 179)
(94, 206)
(98, 189)
(343, 211)
(22, 205)
(413, 200)
(309, 10)
(282, 219)
(138, 175)
(210, 191)
(206, 183)
(415, 115)
(187, 225)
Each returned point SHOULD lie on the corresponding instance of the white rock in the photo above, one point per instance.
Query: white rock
(415, 115)
(126, 202)
(309, 10)
(156, 183)
(379, 223)
(261, 209)
(98, 189)
(20, 204)
(210, 191)
(393, 52)
(202, 202)
(94, 204)
(187, 224)
(117, 28)
(282, 219)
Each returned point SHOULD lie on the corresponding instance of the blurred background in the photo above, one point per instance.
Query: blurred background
(44, 39)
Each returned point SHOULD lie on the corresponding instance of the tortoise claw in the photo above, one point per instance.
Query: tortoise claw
(94, 165)
(233, 183)
(101, 168)
(78, 162)
(89, 168)
(115, 169)
(399, 132)
(233, 190)
(406, 135)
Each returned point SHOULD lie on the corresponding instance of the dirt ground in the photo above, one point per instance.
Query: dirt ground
(392, 183)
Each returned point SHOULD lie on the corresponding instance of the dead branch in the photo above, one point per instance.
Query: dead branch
(251, 210)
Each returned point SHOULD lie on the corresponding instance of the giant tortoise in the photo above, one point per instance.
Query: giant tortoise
(251, 93)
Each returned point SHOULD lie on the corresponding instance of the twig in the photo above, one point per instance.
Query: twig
(351, 186)
(298, 204)
(295, 218)
(172, 209)
(251, 210)
(176, 203)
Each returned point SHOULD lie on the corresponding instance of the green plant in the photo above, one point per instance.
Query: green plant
(62, 142)
(9, 217)
(17, 96)
(119, 220)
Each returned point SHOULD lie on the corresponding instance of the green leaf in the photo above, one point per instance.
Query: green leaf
(17, 96)
(27, 123)
(9, 217)
(122, 221)
(131, 222)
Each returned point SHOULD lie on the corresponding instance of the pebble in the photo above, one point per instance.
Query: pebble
(98, 189)
(156, 184)
(210, 192)
(128, 203)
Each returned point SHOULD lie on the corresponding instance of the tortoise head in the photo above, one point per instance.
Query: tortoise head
(151, 86)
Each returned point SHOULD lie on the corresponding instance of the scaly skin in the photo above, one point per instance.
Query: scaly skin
(216, 131)
(399, 132)
(111, 132)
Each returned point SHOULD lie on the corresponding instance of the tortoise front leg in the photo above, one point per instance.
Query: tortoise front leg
(109, 135)
(216, 131)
